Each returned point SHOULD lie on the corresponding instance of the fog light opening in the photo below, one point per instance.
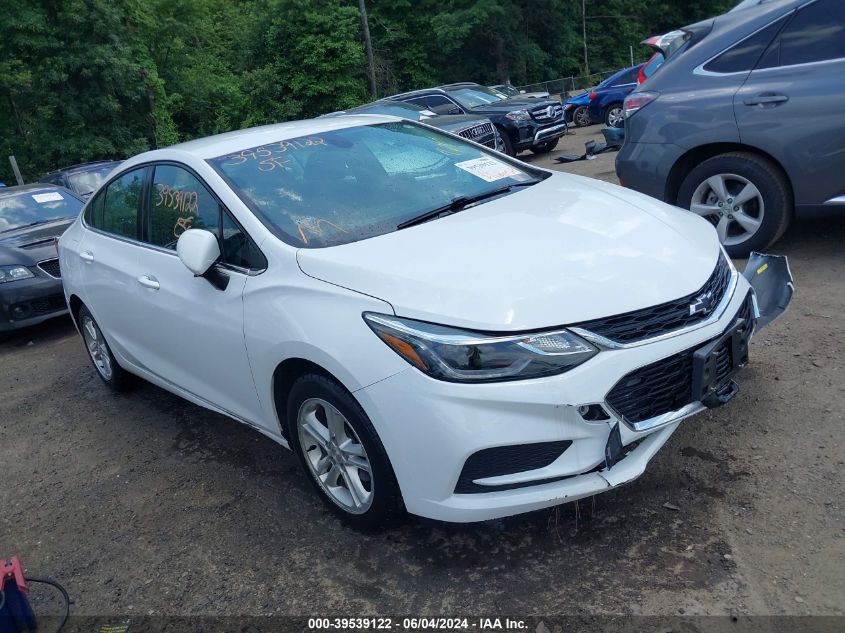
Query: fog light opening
(593, 412)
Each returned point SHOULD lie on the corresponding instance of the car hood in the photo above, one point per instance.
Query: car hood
(30, 245)
(582, 99)
(566, 250)
(451, 122)
(514, 103)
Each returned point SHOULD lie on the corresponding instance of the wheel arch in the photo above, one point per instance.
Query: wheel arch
(285, 375)
(688, 161)
(74, 303)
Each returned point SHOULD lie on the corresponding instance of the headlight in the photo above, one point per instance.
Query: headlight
(462, 356)
(518, 115)
(13, 273)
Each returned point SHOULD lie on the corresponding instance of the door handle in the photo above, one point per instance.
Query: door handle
(149, 282)
(766, 99)
(86, 256)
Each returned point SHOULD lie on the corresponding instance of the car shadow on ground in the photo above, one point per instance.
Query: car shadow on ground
(48, 331)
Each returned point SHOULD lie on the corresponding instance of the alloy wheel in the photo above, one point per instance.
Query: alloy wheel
(335, 455)
(733, 204)
(614, 117)
(582, 116)
(97, 347)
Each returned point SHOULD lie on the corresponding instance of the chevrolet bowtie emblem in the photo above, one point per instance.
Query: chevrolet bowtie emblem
(702, 304)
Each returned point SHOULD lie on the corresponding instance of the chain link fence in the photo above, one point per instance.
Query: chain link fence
(565, 87)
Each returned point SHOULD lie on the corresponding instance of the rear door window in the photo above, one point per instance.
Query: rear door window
(815, 34)
(743, 56)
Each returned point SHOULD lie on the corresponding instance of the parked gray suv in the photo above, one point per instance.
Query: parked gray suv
(745, 123)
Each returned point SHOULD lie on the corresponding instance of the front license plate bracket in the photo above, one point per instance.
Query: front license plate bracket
(711, 389)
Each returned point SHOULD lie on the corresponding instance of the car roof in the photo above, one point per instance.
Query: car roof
(32, 188)
(438, 89)
(84, 166)
(228, 142)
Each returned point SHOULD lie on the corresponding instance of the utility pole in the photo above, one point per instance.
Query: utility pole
(369, 44)
(15, 169)
(584, 33)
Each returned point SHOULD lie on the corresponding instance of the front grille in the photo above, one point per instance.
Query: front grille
(477, 131)
(666, 385)
(51, 267)
(507, 460)
(547, 114)
(37, 307)
(642, 324)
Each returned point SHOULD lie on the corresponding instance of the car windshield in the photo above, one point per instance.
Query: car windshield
(36, 206)
(506, 91)
(351, 184)
(474, 96)
(87, 182)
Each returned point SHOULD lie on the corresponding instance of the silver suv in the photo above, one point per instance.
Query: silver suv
(745, 123)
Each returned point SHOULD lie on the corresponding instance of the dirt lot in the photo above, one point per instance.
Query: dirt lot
(144, 504)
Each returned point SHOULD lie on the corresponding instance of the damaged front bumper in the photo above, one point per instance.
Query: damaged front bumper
(434, 430)
(773, 286)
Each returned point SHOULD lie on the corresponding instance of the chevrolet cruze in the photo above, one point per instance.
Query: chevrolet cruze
(429, 325)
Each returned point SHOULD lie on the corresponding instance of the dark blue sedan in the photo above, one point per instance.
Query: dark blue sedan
(606, 99)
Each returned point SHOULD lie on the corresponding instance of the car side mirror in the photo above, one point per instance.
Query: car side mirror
(446, 108)
(198, 249)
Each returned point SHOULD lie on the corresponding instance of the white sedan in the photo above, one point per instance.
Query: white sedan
(429, 325)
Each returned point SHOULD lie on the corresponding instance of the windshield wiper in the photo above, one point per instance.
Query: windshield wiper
(31, 224)
(459, 204)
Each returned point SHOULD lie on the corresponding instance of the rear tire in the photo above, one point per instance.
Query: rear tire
(545, 148)
(342, 454)
(100, 354)
(613, 115)
(754, 194)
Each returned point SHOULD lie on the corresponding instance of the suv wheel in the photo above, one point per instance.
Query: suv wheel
(99, 352)
(581, 116)
(613, 116)
(545, 148)
(341, 453)
(746, 197)
(507, 145)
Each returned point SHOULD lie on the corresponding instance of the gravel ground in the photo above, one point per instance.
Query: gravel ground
(143, 504)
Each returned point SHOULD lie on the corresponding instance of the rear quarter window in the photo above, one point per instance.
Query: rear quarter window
(743, 56)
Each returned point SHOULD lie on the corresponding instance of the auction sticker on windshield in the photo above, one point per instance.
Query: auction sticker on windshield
(41, 198)
(489, 169)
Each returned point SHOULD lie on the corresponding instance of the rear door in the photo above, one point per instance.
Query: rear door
(189, 332)
(108, 253)
(792, 104)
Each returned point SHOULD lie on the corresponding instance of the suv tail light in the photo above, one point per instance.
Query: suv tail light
(637, 100)
(593, 95)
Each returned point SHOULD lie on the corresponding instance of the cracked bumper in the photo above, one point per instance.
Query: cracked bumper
(431, 428)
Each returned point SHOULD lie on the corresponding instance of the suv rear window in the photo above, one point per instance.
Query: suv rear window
(743, 56)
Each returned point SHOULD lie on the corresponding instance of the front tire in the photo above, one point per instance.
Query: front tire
(613, 116)
(545, 148)
(342, 454)
(745, 196)
(507, 145)
(100, 354)
(581, 116)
